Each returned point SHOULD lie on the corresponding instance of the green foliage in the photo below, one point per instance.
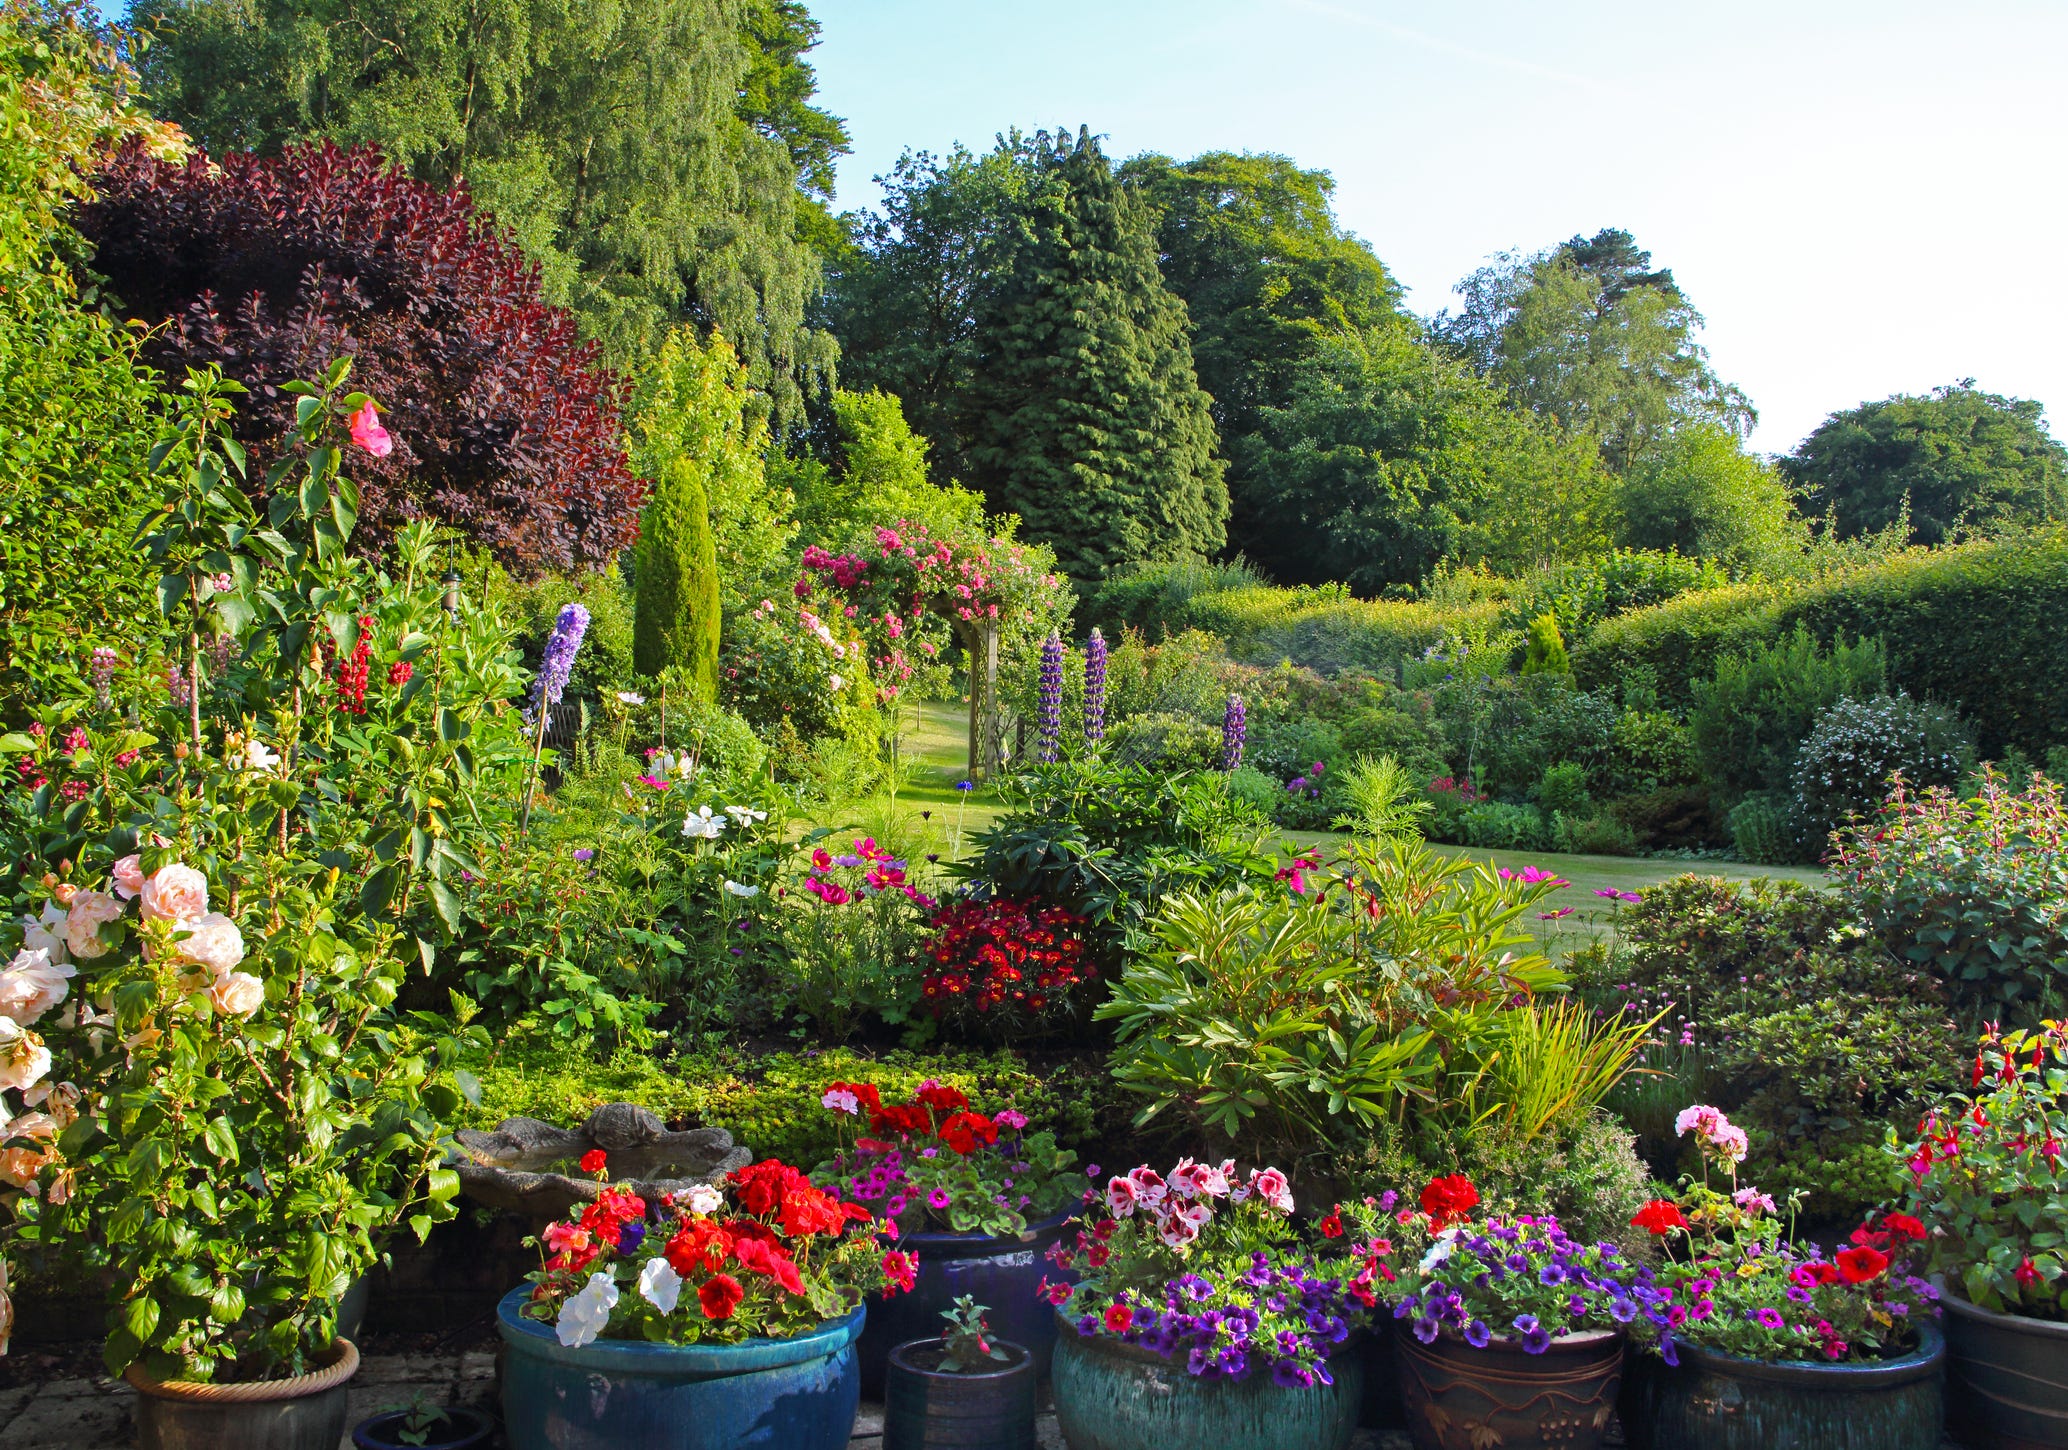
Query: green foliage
(851, 956)
(1971, 626)
(677, 623)
(878, 478)
(1582, 594)
(647, 157)
(1973, 890)
(1648, 751)
(1383, 799)
(1764, 830)
(1809, 1033)
(1985, 1175)
(1545, 653)
(1587, 334)
(1697, 492)
(1276, 1021)
(1505, 826)
(1089, 421)
(77, 414)
(1956, 459)
(1752, 716)
(1844, 768)
(1388, 458)
(770, 1101)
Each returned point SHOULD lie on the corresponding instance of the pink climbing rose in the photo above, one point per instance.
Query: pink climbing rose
(368, 433)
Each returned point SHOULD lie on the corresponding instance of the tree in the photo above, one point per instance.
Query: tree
(902, 298)
(1086, 417)
(647, 156)
(1589, 335)
(1955, 458)
(876, 476)
(505, 424)
(1697, 492)
(1266, 273)
(1391, 458)
(775, 99)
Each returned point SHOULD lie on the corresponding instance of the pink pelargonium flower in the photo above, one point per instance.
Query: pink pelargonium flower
(368, 433)
(1121, 1198)
(840, 1100)
(1270, 1185)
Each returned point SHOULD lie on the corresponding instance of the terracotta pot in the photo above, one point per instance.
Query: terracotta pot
(304, 1413)
(1461, 1398)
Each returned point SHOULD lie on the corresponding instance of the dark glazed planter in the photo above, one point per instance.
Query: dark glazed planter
(2007, 1377)
(1115, 1396)
(1721, 1402)
(798, 1393)
(925, 1409)
(1461, 1398)
(463, 1429)
(1002, 1274)
(304, 1413)
(1382, 1409)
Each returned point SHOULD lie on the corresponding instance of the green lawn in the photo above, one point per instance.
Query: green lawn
(923, 817)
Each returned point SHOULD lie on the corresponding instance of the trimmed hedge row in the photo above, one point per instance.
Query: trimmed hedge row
(1977, 626)
(1325, 631)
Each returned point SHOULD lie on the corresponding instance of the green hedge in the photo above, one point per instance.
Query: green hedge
(1976, 626)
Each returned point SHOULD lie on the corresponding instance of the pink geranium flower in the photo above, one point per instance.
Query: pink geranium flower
(368, 433)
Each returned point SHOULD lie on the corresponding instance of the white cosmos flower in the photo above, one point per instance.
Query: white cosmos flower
(742, 889)
(703, 826)
(629, 697)
(660, 1285)
(583, 1317)
(746, 815)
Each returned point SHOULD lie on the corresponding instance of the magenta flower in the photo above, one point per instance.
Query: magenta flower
(368, 433)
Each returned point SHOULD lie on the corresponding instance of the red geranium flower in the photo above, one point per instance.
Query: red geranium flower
(1659, 1217)
(1860, 1263)
(1903, 1226)
(720, 1295)
(1448, 1200)
(593, 1160)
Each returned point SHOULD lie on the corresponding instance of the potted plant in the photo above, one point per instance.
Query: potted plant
(726, 1318)
(1201, 1318)
(230, 1122)
(1516, 1330)
(423, 1425)
(964, 1388)
(976, 1196)
(1987, 1181)
(1768, 1343)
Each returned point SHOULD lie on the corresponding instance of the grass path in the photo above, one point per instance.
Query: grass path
(927, 814)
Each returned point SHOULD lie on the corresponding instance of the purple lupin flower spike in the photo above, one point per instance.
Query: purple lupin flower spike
(1231, 734)
(1095, 689)
(558, 661)
(1051, 712)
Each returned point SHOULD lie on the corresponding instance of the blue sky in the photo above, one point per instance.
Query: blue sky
(1863, 198)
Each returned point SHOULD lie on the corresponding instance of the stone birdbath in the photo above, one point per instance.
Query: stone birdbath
(518, 1164)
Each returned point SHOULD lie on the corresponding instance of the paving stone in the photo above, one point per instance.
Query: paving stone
(71, 1422)
(868, 1419)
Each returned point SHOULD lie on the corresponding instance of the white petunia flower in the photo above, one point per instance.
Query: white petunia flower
(1446, 1243)
(660, 1285)
(705, 1200)
(583, 1317)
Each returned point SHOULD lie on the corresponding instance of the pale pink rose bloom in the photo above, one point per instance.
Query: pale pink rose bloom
(368, 433)
(18, 1166)
(129, 877)
(32, 984)
(238, 994)
(175, 893)
(211, 941)
(24, 1060)
(40, 1126)
(83, 921)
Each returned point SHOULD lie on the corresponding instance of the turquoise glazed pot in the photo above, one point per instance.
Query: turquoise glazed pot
(1720, 1402)
(1461, 1398)
(1002, 1274)
(2009, 1378)
(772, 1394)
(1115, 1396)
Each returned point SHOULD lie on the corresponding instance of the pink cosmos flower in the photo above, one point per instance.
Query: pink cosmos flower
(368, 433)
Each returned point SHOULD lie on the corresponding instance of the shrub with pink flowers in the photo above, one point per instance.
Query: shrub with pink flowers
(936, 1164)
(1205, 1266)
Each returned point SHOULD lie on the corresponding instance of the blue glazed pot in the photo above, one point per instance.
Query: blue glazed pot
(1116, 1396)
(764, 1394)
(1717, 1401)
(1002, 1274)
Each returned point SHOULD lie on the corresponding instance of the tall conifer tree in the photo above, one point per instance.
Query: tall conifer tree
(1086, 416)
